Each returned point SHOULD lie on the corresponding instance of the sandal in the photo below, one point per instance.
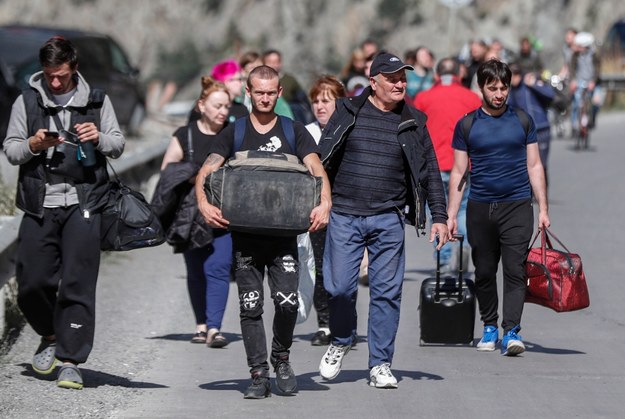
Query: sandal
(44, 360)
(69, 377)
(199, 337)
(217, 340)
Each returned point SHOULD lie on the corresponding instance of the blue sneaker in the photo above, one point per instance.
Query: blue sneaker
(489, 340)
(512, 343)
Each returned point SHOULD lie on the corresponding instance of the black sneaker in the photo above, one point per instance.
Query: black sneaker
(260, 387)
(285, 377)
(321, 338)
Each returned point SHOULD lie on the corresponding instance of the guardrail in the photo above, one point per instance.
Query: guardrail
(138, 166)
(613, 82)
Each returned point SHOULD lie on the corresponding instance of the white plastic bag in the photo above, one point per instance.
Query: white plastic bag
(306, 287)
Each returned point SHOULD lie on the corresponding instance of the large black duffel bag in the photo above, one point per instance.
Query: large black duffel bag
(264, 193)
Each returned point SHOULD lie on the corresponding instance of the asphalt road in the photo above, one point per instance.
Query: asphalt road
(143, 365)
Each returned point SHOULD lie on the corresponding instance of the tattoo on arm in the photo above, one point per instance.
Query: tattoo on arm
(214, 160)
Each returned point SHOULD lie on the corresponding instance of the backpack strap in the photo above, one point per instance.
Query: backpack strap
(190, 150)
(96, 100)
(466, 124)
(524, 118)
(239, 132)
(289, 132)
(36, 113)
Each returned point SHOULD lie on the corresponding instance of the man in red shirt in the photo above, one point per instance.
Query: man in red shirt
(444, 104)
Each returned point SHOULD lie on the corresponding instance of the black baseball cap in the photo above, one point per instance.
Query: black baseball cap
(387, 63)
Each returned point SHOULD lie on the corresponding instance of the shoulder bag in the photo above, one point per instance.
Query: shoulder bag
(128, 221)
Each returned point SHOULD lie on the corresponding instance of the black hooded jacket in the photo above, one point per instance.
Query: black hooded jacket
(175, 204)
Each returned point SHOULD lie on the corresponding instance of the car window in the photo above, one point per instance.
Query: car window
(93, 55)
(118, 59)
(24, 71)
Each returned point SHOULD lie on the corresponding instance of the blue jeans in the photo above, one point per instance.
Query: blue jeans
(208, 279)
(446, 250)
(346, 239)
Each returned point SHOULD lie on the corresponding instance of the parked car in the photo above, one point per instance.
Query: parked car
(102, 62)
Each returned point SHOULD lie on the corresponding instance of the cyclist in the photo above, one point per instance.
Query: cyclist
(584, 71)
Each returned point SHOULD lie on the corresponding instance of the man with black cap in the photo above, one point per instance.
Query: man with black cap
(380, 160)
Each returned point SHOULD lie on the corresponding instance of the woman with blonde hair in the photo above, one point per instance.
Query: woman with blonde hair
(207, 254)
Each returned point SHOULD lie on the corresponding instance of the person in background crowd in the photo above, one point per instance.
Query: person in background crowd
(58, 247)
(410, 56)
(377, 151)
(323, 95)
(528, 59)
(369, 47)
(249, 61)
(353, 74)
(230, 73)
(368, 62)
(530, 93)
(208, 259)
(255, 253)
(293, 93)
(477, 50)
(500, 217)
(567, 52)
(498, 49)
(584, 73)
(422, 77)
(444, 104)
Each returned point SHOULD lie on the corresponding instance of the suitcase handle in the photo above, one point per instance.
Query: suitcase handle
(437, 288)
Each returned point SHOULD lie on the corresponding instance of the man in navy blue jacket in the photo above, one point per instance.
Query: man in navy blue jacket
(530, 93)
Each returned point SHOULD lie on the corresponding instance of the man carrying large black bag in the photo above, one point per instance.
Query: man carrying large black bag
(255, 252)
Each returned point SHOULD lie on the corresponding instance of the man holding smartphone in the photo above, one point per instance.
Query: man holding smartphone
(59, 237)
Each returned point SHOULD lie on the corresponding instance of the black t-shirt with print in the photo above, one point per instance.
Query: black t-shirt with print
(273, 141)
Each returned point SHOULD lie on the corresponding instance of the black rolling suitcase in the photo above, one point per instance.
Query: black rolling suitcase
(447, 306)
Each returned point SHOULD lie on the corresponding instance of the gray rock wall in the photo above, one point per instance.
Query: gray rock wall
(314, 35)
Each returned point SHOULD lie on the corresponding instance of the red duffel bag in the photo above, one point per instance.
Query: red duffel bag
(555, 278)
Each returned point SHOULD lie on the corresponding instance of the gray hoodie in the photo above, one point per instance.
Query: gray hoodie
(60, 191)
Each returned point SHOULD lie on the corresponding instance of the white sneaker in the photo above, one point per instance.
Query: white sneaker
(330, 364)
(382, 377)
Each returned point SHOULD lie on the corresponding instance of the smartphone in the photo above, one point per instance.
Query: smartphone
(70, 136)
(51, 134)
